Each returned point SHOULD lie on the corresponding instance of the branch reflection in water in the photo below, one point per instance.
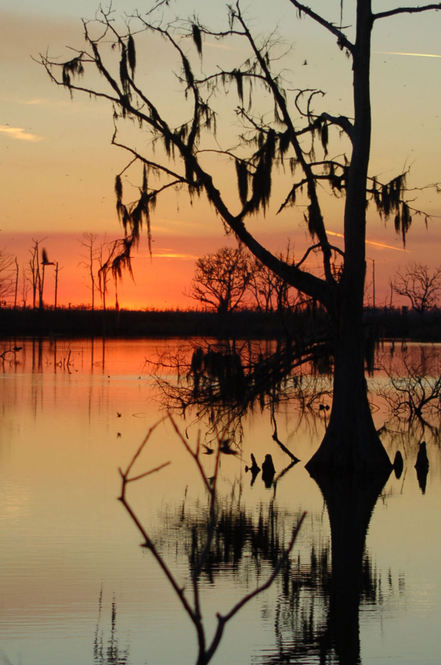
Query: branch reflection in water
(200, 552)
(108, 651)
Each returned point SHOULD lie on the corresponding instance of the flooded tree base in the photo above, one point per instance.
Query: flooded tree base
(353, 449)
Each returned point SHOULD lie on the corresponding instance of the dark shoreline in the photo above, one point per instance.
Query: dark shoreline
(382, 323)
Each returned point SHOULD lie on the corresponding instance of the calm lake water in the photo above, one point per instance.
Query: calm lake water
(76, 588)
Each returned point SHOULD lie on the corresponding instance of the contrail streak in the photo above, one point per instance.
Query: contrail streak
(415, 55)
(381, 245)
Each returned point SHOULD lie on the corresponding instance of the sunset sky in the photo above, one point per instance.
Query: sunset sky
(58, 168)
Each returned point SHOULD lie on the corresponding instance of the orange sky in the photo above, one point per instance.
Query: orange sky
(57, 168)
(163, 280)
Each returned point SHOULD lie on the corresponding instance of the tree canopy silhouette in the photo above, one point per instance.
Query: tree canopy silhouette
(420, 284)
(293, 143)
(220, 280)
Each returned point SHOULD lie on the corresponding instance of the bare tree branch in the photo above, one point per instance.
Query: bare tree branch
(342, 40)
(406, 10)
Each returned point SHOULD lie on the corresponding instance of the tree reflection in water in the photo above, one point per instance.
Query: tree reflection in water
(412, 401)
(318, 604)
(412, 394)
(319, 590)
(241, 536)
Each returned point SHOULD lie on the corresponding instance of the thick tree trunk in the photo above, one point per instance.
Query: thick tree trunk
(351, 443)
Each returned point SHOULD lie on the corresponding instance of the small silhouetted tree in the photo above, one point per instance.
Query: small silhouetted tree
(44, 263)
(89, 242)
(420, 284)
(106, 253)
(269, 291)
(6, 274)
(17, 274)
(221, 279)
(57, 270)
(34, 271)
(112, 257)
(292, 142)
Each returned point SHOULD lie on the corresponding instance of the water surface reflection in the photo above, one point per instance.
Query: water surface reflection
(362, 585)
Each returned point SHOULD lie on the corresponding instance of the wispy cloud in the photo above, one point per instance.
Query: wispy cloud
(414, 55)
(172, 254)
(36, 101)
(43, 101)
(19, 133)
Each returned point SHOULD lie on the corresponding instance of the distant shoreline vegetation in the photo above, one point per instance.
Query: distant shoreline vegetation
(82, 322)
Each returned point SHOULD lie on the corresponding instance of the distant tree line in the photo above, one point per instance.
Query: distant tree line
(226, 280)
